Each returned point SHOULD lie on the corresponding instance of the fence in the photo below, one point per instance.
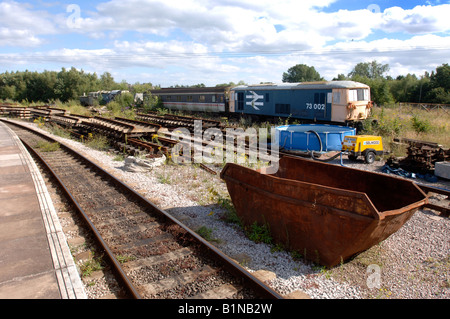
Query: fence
(427, 106)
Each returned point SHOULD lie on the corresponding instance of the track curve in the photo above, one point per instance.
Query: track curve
(163, 258)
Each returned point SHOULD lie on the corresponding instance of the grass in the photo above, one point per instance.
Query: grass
(259, 233)
(408, 122)
(98, 142)
(45, 146)
(206, 233)
(164, 178)
(89, 266)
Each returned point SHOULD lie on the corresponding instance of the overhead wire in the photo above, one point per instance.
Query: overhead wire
(221, 54)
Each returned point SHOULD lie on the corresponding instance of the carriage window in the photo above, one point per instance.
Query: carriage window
(201, 98)
(213, 98)
(168, 98)
(189, 98)
(178, 98)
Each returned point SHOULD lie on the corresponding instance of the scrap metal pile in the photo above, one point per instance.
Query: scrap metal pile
(421, 156)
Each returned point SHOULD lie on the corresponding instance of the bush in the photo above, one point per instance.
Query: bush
(420, 126)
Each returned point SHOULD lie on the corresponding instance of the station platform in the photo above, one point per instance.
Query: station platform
(35, 260)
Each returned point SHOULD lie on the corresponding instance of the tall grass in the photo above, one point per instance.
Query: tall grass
(409, 122)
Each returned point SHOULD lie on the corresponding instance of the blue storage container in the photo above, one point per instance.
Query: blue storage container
(312, 137)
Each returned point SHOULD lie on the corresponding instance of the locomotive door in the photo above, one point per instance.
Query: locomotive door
(240, 101)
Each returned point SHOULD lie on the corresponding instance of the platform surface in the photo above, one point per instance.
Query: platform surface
(35, 260)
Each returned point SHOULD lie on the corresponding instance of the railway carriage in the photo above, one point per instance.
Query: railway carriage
(211, 99)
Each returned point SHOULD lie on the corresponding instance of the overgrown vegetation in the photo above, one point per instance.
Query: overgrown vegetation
(259, 233)
(394, 121)
(96, 141)
(46, 146)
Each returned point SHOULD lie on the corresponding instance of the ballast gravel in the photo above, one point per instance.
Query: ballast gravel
(413, 263)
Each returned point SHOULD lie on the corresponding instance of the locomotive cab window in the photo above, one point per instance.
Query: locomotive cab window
(358, 95)
(337, 97)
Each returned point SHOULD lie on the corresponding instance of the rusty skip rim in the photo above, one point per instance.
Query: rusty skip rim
(262, 289)
(375, 214)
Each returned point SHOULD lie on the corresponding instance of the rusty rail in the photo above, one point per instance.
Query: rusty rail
(445, 211)
(261, 289)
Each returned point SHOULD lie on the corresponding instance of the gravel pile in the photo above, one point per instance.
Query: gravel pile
(413, 263)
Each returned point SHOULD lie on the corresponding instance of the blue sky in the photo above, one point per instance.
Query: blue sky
(220, 41)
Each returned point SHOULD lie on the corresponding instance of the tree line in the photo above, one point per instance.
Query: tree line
(427, 88)
(67, 85)
(64, 85)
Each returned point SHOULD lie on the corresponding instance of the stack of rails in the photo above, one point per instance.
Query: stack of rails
(69, 121)
(45, 112)
(119, 128)
(13, 110)
(141, 126)
(174, 121)
(139, 147)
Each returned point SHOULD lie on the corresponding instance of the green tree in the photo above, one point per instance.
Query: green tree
(403, 87)
(341, 77)
(439, 88)
(371, 70)
(107, 82)
(301, 73)
(68, 85)
(125, 99)
(442, 77)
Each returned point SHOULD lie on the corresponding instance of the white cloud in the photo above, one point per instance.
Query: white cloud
(217, 41)
(419, 20)
(21, 26)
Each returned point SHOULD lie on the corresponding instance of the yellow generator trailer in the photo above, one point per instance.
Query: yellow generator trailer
(367, 146)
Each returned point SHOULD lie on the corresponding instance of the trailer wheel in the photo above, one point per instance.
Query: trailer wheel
(369, 157)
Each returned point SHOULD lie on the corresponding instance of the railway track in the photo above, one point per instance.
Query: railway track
(153, 255)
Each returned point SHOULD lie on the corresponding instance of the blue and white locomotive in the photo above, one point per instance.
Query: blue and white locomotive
(322, 102)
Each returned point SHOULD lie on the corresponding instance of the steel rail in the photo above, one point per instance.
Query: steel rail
(232, 266)
(116, 265)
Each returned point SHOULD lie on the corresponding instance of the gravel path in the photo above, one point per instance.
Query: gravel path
(413, 263)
